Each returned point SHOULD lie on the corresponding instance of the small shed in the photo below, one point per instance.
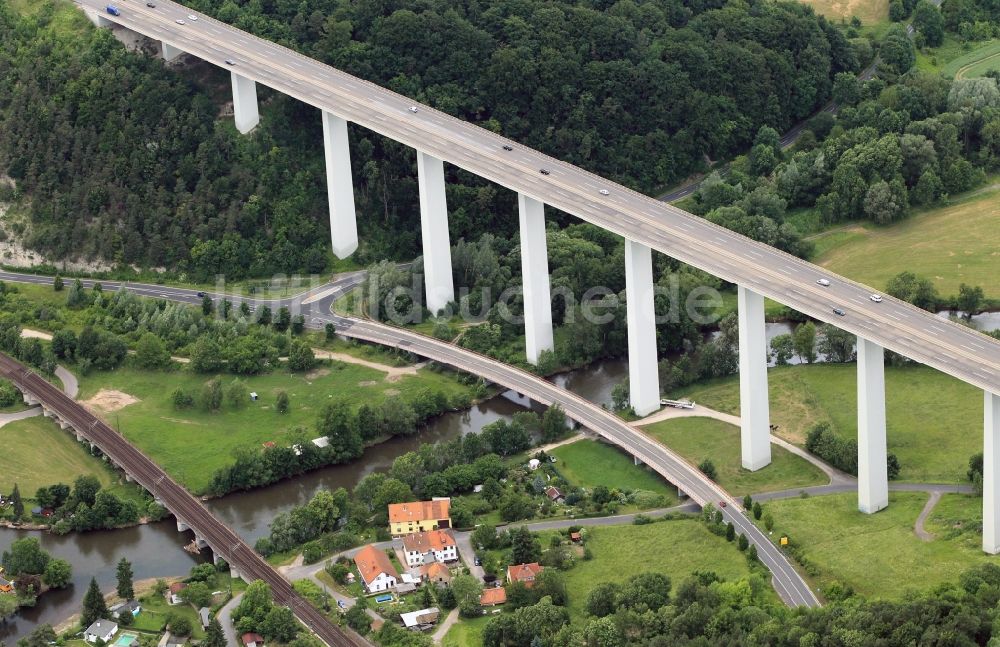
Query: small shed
(252, 640)
(253, 396)
(420, 620)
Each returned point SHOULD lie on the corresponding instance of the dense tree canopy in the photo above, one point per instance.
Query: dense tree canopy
(127, 162)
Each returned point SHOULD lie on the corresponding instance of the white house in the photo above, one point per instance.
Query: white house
(376, 570)
(102, 629)
(434, 546)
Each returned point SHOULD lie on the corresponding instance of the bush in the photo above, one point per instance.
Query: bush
(8, 394)
(842, 453)
(707, 468)
(181, 399)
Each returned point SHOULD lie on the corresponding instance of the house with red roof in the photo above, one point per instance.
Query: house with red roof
(524, 573)
(377, 571)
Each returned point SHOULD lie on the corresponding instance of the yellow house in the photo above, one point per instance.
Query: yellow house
(419, 516)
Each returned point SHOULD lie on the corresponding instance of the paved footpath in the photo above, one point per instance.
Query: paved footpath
(671, 413)
(70, 386)
(225, 618)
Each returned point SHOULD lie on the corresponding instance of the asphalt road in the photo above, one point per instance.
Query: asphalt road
(954, 349)
(789, 584)
(184, 506)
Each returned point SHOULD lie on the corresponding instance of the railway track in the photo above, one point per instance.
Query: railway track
(179, 501)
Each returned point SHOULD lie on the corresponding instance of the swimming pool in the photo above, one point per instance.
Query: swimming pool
(125, 640)
(385, 597)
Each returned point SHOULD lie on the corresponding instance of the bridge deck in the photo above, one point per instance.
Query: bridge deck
(176, 499)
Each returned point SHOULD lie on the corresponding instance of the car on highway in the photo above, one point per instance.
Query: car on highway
(824, 282)
(151, 5)
(113, 10)
(201, 294)
(191, 16)
(722, 504)
(543, 171)
(179, 21)
(604, 192)
(877, 298)
(412, 109)
(508, 147)
(839, 312)
(230, 61)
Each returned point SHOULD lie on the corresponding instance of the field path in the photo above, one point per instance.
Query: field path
(443, 628)
(918, 527)
(393, 373)
(670, 413)
(962, 71)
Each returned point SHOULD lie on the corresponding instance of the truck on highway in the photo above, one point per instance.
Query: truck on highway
(113, 10)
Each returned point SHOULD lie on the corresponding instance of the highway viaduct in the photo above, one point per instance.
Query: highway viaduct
(758, 270)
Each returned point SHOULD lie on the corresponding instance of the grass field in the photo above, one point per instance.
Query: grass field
(879, 554)
(950, 245)
(675, 548)
(38, 453)
(589, 463)
(699, 438)
(155, 611)
(985, 57)
(192, 444)
(466, 633)
(869, 11)
(933, 443)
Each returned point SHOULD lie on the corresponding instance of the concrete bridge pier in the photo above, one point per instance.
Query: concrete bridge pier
(169, 52)
(535, 277)
(339, 186)
(438, 282)
(79, 437)
(47, 413)
(755, 433)
(643, 373)
(128, 478)
(245, 103)
(63, 424)
(200, 543)
(29, 399)
(991, 473)
(636, 461)
(98, 19)
(873, 479)
(181, 526)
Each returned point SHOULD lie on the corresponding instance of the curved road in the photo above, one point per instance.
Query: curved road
(316, 306)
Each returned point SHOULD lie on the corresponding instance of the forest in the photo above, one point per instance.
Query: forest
(123, 159)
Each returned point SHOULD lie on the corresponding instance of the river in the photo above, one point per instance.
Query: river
(156, 550)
